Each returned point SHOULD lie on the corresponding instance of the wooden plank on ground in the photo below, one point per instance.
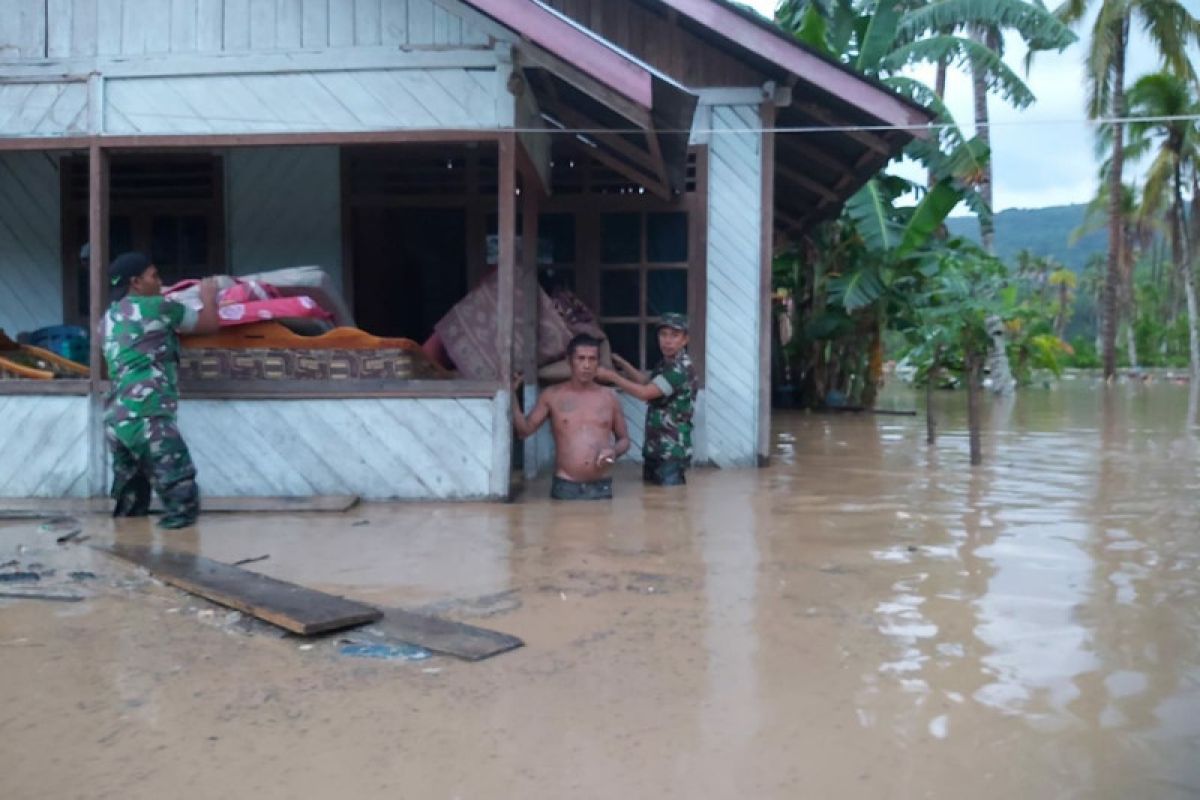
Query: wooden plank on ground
(21, 506)
(291, 607)
(457, 639)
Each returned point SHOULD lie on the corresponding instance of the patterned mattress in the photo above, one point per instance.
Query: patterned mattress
(325, 364)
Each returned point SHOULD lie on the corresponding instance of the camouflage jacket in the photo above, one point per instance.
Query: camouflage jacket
(669, 418)
(141, 349)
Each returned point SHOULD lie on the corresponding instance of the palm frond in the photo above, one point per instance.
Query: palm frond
(998, 76)
(1040, 29)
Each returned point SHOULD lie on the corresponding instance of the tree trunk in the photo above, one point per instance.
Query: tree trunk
(987, 229)
(939, 89)
(1181, 253)
(930, 378)
(974, 364)
(1112, 280)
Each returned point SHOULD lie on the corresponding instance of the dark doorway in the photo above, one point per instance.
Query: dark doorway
(410, 268)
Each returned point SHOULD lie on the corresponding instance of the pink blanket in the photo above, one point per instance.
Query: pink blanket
(243, 302)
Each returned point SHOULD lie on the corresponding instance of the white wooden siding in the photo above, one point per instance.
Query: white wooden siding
(31, 294)
(375, 448)
(295, 103)
(732, 329)
(43, 109)
(284, 209)
(34, 29)
(45, 446)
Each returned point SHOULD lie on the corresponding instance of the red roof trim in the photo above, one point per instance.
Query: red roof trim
(875, 101)
(577, 47)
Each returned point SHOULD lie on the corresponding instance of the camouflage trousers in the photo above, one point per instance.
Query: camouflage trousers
(148, 453)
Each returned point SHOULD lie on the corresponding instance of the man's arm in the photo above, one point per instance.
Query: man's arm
(633, 373)
(620, 447)
(207, 320)
(527, 427)
(642, 391)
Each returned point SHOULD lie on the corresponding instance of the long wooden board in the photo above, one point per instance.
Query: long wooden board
(21, 507)
(291, 607)
(444, 636)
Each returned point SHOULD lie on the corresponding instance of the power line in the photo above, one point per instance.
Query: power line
(802, 129)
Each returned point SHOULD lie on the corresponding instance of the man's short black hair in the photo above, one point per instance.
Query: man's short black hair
(581, 340)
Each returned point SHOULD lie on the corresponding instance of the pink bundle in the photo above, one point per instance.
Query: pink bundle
(240, 302)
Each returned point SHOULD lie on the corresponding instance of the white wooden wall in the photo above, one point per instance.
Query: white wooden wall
(734, 250)
(30, 249)
(284, 209)
(50, 108)
(302, 102)
(79, 28)
(43, 446)
(379, 449)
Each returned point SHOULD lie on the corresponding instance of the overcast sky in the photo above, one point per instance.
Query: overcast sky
(1042, 156)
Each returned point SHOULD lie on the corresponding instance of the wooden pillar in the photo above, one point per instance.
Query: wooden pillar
(502, 433)
(97, 302)
(768, 116)
(530, 208)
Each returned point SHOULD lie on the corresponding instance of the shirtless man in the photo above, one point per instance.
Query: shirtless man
(588, 426)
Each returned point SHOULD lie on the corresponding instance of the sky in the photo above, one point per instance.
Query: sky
(1044, 155)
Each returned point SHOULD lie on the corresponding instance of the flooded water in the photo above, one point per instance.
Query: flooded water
(867, 618)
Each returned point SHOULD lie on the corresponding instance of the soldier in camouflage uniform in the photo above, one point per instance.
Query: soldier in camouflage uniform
(141, 349)
(670, 392)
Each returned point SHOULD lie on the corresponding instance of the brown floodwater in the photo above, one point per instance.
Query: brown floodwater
(866, 618)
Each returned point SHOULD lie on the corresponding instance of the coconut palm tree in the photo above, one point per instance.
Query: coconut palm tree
(1171, 27)
(1164, 101)
(987, 22)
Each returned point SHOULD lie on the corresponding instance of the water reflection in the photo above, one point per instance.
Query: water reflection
(1047, 584)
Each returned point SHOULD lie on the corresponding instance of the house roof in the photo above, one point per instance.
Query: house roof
(571, 60)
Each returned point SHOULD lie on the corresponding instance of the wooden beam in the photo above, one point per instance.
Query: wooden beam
(500, 484)
(573, 46)
(794, 143)
(286, 605)
(808, 183)
(635, 111)
(865, 138)
(660, 163)
(98, 174)
(578, 120)
(167, 142)
(295, 389)
(530, 208)
(182, 65)
(767, 114)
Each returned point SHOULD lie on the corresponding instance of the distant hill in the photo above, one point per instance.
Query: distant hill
(1045, 231)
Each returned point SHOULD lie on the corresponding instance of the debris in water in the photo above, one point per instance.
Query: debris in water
(388, 652)
(19, 577)
(360, 523)
(251, 560)
(52, 596)
(82, 575)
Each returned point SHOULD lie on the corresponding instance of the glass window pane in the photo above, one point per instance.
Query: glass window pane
(164, 244)
(194, 232)
(620, 293)
(624, 340)
(666, 291)
(559, 229)
(621, 239)
(667, 238)
(653, 354)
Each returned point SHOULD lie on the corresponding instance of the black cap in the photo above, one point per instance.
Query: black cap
(125, 268)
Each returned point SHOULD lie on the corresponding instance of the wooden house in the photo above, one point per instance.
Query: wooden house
(385, 141)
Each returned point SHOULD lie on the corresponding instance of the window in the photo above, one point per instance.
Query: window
(643, 275)
(168, 206)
